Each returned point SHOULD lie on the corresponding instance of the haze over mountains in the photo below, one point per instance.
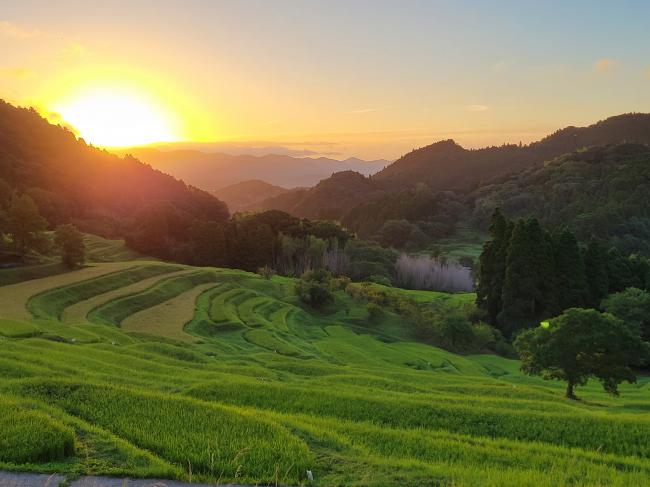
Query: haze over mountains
(212, 171)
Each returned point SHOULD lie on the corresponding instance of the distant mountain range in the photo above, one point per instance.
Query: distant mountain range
(213, 171)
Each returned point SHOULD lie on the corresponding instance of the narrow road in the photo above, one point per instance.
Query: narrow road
(19, 479)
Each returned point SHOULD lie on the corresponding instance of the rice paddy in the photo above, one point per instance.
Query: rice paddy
(147, 369)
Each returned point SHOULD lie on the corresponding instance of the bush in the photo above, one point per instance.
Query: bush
(375, 312)
(313, 288)
(266, 272)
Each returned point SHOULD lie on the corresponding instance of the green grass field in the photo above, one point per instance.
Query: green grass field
(216, 375)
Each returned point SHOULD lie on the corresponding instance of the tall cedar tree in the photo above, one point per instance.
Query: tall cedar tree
(571, 281)
(492, 266)
(529, 287)
(595, 260)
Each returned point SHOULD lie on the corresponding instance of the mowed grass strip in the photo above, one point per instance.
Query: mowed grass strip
(167, 319)
(52, 303)
(77, 313)
(117, 310)
(14, 297)
(217, 441)
(31, 436)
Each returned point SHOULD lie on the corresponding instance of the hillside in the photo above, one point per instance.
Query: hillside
(147, 369)
(447, 166)
(331, 198)
(71, 181)
(602, 192)
(246, 195)
(211, 171)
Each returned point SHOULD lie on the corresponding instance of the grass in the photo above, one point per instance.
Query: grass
(267, 389)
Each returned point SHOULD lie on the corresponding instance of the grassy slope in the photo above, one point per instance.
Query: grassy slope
(267, 390)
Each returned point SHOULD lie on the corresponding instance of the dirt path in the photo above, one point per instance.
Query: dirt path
(19, 479)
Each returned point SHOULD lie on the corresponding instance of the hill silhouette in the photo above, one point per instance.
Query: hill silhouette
(247, 195)
(72, 181)
(445, 165)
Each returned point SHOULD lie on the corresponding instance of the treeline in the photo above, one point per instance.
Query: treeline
(286, 244)
(528, 274)
(406, 220)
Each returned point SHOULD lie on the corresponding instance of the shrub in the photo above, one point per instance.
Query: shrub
(375, 312)
(266, 272)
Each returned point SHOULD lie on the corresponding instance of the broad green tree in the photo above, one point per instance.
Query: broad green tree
(581, 344)
(633, 307)
(70, 243)
(25, 225)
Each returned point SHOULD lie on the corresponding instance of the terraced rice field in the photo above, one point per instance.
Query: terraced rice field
(148, 369)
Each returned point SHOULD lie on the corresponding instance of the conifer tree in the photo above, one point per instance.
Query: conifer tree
(529, 287)
(595, 259)
(571, 282)
(492, 266)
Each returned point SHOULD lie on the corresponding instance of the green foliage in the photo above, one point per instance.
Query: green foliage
(25, 225)
(579, 344)
(599, 191)
(70, 242)
(633, 307)
(313, 288)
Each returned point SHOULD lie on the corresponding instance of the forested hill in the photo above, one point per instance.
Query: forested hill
(446, 165)
(71, 181)
(601, 191)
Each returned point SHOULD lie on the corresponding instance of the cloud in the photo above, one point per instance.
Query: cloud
(361, 111)
(14, 31)
(605, 65)
(476, 108)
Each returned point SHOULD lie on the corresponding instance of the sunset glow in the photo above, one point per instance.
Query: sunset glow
(117, 118)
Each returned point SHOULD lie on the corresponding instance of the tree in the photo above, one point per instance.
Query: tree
(313, 288)
(580, 344)
(529, 288)
(492, 266)
(570, 279)
(70, 242)
(25, 225)
(633, 307)
(596, 272)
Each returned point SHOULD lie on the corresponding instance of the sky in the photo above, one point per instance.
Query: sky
(372, 79)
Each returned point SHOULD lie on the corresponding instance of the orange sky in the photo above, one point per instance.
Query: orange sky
(369, 79)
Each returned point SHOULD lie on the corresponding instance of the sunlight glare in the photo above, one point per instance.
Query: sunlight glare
(112, 117)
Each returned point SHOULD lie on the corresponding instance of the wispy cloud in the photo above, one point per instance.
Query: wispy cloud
(605, 65)
(476, 108)
(14, 31)
(361, 111)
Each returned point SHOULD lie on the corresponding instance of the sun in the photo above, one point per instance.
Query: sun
(117, 117)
